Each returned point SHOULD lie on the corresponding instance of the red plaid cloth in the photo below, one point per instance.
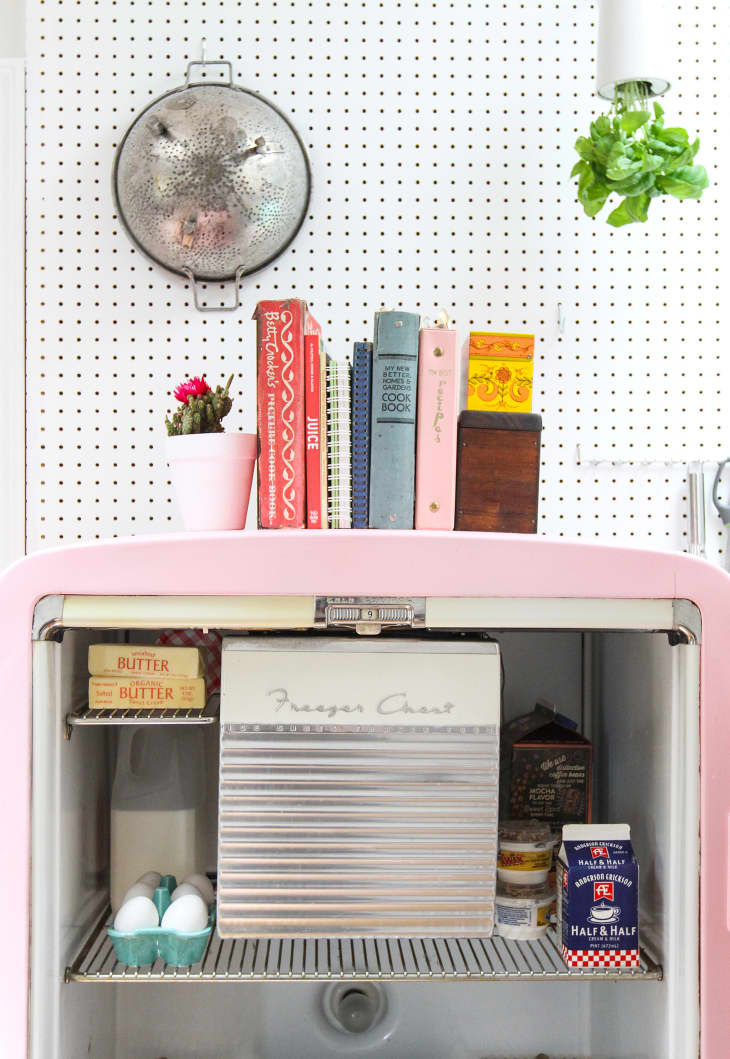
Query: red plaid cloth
(210, 644)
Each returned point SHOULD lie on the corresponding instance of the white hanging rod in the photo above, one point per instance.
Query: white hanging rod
(634, 461)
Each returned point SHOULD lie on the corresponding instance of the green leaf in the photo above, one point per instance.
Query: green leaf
(680, 160)
(666, 150)
(621, 164)
(638, 206)
(578, 168)
(592, 193)
(601, 126)
(632, 120)
(658, 112)
(650, 162)
(686, 183)
(637, 185)
(633, 208)
(602, 148)
(584, 147)
(620, 216)
(653, 162)
(675, 137)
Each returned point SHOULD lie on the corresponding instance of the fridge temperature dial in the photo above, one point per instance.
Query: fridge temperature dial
(369, 616)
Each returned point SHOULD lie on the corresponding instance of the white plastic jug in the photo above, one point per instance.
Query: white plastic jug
(157, 808)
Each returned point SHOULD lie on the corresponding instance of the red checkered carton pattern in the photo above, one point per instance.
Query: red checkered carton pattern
(601, 957)
(210, 644)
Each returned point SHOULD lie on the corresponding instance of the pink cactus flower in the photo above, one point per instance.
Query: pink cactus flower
(194, 387)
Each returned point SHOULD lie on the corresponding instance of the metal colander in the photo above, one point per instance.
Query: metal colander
(211, 181)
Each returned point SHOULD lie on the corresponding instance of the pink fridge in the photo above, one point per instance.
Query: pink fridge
(631, 645)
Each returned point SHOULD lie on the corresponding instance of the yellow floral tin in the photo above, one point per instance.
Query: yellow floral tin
(500, 372)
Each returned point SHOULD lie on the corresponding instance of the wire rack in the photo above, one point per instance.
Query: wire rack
(321, 959)
(85, 716)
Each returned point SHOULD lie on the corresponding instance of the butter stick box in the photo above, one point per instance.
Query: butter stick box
(126, 693)
(598, 896)
(144, 660)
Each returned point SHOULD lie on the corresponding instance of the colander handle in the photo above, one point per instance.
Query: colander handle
(216, 308)
(209, 62)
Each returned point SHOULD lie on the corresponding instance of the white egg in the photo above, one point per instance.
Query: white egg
(203, 884)
(139, 889)
(188, 915)
(183, 889)
(135, 914)
(151, 878)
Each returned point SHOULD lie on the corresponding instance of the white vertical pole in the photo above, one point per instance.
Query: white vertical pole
(12, 310)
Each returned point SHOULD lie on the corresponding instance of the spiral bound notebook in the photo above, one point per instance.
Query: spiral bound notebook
(339, 452)
(362, 372)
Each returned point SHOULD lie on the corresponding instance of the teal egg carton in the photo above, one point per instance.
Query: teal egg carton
(141, 947)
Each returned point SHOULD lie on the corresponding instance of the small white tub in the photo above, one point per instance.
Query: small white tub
(523, 913)
(525, 852)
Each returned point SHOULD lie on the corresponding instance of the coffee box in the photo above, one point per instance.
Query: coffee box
(598, 896)
(545, 771)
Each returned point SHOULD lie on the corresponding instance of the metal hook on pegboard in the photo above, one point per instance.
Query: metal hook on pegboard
(561, 319)
(722, 509)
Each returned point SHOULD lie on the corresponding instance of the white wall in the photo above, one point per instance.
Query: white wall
(12, 29)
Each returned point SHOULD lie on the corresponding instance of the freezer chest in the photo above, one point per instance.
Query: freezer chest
(358, 787)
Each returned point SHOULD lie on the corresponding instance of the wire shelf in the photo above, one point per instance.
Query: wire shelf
(324, 959)
(140, 715)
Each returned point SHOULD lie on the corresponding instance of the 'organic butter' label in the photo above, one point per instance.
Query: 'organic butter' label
(126, 693)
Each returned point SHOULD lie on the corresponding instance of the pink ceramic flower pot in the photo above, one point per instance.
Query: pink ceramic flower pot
(212, 476)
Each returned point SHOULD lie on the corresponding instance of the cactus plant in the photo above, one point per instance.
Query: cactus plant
(201, 408)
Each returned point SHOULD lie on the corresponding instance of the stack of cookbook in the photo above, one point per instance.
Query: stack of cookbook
(361, 442)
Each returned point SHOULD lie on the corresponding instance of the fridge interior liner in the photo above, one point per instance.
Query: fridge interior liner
(631, 693)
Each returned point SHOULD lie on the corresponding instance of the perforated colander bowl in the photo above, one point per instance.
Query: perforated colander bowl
(211, 181)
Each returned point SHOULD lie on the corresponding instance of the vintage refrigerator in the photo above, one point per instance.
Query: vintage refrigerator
(632, 644)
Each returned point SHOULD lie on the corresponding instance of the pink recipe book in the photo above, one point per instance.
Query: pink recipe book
(438, 397)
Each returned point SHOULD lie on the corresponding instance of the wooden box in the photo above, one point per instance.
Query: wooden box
(498, 472)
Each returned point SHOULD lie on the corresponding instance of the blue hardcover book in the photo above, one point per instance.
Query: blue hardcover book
(393, 420)
(362, 374)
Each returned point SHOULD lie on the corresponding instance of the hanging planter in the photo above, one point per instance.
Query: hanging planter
(629, 151)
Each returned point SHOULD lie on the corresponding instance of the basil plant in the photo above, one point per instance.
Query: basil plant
(636, 157)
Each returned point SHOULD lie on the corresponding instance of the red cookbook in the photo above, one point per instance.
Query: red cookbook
(281, 327)
(312, 432)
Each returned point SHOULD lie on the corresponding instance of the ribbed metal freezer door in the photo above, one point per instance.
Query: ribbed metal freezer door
(358, 787)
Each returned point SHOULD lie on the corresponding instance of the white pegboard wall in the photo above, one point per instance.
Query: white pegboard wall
(440, 136)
